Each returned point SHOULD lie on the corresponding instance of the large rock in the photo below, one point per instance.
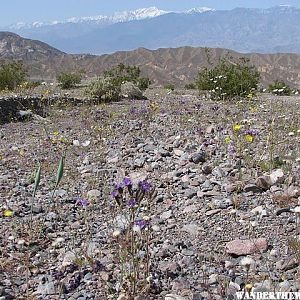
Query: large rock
(266, 181)
(277, 176)
(245, 247)
(263, 182)
(131, 91)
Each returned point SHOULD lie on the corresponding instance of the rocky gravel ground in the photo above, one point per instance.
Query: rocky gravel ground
(226, 213)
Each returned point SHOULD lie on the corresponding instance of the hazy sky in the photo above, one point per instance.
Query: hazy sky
(12, 11)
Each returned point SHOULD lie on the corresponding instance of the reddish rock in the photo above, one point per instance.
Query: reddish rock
(245, 247)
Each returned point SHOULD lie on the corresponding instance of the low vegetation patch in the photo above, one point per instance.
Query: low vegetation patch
(108, 86)
(229, 79)
(68, 80)
(12, 75)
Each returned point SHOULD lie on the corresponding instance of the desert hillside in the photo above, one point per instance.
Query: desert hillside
(166, 65)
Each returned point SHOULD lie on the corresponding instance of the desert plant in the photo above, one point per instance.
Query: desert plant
(11, 75)
(190, 86)
(108, 86)
(169, 86)
(229, 79)
(280, 88)
(68, 80)
(122, 73)
(103, 88)
(133, 233)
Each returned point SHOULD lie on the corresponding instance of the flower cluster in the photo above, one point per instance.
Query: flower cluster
(248, 134)
(82, 202)
(124, 193)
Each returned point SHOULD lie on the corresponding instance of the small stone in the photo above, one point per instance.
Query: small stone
(190, 193)
(191, 228)
(178, 152)
(245, 247)
(252, 188)
(277, 176)
(263, 182)
(222, 203)
(60, 193)
(136, 177)
(46, 289)
(68, 259)
(166, 215)
(174, 297)
(87, 277)
(212, 212)
(198, 157)
(190, 208)
(93, 194)
(206, 169)
(213, 278)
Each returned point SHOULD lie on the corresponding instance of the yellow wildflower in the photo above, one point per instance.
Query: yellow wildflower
(236, 127)
(63, 140)
(249, 138)
(8, 213)
(227, 140)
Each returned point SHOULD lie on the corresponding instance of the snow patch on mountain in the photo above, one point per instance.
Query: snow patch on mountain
(118, 17)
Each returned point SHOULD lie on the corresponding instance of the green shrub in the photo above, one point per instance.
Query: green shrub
(68, 80)
(12, 75)
(190, 86)
(103, 88)
(280, 88)
(122, 73)
(169, 86)
(229, 79)
(108, 86)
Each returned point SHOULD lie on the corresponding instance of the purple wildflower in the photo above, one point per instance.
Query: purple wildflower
(114, 194)
(119, 186)
(145, 186)
(71, 268)
(131, 203)
(141, 223)
(82, 202)
(127, 181)
(134, 110)
(252, 132)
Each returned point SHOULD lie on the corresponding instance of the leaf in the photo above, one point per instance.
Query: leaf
(60, 170)
(37, 179)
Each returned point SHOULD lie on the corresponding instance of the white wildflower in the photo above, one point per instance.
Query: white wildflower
(116, 233)
(247, 262)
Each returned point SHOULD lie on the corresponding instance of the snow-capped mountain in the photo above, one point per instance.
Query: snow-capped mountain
(118, 17)
(123, 16)
(199, 10)
(275, 29)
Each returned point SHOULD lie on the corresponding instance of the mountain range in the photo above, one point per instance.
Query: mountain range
(165, 65)
(270, 30)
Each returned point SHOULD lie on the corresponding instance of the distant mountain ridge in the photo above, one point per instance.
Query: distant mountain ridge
(118, 17)
(170, 65)
(245, 30)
